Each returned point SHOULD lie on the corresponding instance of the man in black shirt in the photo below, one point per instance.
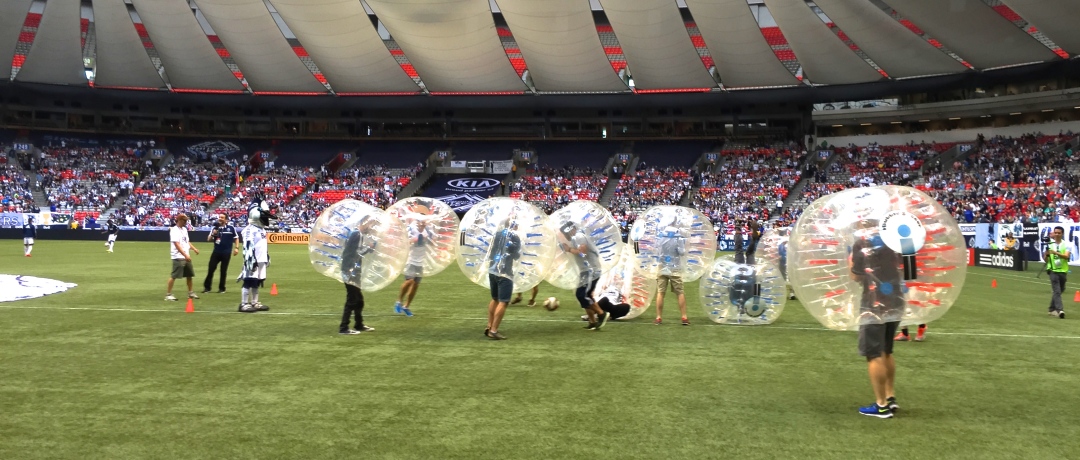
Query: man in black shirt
(357, 245)
(877, 268)
(112, 229)
(226, 245)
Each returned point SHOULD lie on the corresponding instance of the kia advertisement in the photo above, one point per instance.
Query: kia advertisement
(461, 192)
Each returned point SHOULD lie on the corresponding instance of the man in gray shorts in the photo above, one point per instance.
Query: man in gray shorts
(180, 250)
(419, 237)
(876, 267)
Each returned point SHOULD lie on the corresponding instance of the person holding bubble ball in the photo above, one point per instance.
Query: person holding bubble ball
(357, 245)
(505, 250)
(876, 267)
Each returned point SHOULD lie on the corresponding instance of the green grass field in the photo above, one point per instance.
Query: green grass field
(108, 370)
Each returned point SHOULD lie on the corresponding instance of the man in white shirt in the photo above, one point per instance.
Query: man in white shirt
(419, 240)
(180, 247)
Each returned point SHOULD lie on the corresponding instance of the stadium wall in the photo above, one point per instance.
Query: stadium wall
(957, 135)
(46, 234)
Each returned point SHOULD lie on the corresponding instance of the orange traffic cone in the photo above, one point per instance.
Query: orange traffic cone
(1076, 298)
(190, 306)
(273, 289)
(993, 283)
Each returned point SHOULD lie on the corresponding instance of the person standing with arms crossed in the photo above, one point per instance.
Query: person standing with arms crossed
(224, 238)
(181, 257)
(505, 250)
(1057, 254)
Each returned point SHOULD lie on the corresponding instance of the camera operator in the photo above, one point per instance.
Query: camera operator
(1057, 255)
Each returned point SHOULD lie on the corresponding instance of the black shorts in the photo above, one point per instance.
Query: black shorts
(501, 288)
(877, 339)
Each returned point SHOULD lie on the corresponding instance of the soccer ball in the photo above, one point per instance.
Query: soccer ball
(551, 304)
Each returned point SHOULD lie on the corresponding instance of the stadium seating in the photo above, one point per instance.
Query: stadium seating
(551, 188)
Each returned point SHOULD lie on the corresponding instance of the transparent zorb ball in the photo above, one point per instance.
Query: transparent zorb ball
(874, 255)
(634, 288)
(505, 237)
(674, 241)
(734, 293)
(773, 248)
(359, 244)
(588, 225)
(432, 229)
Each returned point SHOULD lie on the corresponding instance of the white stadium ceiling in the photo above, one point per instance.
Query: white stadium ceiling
(402, 47)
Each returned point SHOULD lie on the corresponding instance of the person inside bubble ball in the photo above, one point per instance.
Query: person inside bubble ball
(419, 237)
(359, 243)
(576, 243)
(672, 252)
(755, 237)
(877, 268)
(505, 250)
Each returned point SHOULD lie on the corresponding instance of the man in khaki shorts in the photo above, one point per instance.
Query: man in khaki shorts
(672, 251)
(180, 245)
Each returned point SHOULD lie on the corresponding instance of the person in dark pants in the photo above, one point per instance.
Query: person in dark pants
(740, 252)
(1057, 255)
(751, 247)
(358, 244)
(225, 246)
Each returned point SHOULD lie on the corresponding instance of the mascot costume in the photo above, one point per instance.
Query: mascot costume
(256, 257)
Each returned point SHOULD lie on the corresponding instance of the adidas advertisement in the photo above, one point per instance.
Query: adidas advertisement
(19, 287)
(994, 258)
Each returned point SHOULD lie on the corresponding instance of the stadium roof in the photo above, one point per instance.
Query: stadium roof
(401, 47)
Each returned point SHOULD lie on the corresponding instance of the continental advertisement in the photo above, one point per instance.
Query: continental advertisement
(287, 238)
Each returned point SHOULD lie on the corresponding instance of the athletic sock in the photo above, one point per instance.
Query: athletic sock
(244, 295)
(255, 294)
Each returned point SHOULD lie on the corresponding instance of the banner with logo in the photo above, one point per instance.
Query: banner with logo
(996, 258)
(1071, 237)
(461, 192)
(457, 164)
(287, 238)
(502, 167)
(43, 219)
(1030, 241)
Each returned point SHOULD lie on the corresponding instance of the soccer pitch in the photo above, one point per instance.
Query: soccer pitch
(108, 370)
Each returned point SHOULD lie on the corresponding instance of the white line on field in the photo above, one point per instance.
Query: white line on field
(1012, 277)
(525, 320)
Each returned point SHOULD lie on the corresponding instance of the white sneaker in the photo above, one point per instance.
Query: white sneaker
(191, 295)
(109, 250)
(349, 332)
(170, 298)
(366, 329)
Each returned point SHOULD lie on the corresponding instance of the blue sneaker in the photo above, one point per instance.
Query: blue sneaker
(398, 308)
(875, 410)
(406, 311)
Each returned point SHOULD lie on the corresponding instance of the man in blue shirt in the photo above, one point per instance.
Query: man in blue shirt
(29, 232)
(225, 246)
(505, 250)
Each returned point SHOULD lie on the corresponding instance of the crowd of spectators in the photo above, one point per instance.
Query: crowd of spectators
(750, 185)
(649, 186)
(15, 193)
(181, 186)
(84, 178)
(373, 184)
(552, 188)
(1009, 180)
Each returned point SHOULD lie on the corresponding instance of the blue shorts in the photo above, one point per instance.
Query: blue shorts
(501, 288)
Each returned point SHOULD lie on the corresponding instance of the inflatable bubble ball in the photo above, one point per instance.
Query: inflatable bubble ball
(773, 248)
(874, 255)
(635, 289)
(359, 244)
(432, 230)
(734, 293)
(589, 230)
(505, 237)
(674, 240)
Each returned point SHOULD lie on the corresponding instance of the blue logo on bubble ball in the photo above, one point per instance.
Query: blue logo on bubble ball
(907, 245)
(885, 288)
